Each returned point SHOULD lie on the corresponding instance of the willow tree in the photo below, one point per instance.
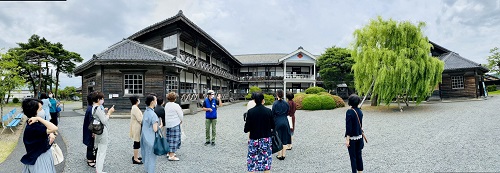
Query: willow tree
(393, 61)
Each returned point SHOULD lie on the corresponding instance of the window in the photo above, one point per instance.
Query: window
(457, 82)
(133, 83)
(171, 84)
(170, 42)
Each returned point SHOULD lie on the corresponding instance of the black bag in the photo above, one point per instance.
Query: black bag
(245, 116)
(96, 128)
(277, 144)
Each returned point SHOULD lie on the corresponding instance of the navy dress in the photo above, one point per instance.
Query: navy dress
(280, 113)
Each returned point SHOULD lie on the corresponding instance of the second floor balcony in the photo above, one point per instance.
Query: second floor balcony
(260, 78)
(300, 77)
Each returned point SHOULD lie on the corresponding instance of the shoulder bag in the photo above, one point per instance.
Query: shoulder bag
(96, 128)
(277, 144)
(361, 126)
(56, 153)
(160, 146)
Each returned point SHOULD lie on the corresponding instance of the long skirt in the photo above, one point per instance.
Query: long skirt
(44, 163)
(174, 138)
(259, 156)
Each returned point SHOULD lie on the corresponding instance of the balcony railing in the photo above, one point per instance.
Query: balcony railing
(299, 76)
(191, 61)
(260, 78)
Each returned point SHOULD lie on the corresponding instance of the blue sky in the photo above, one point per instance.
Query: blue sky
(248, 27)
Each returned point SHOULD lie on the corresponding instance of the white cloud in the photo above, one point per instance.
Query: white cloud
(243, 27)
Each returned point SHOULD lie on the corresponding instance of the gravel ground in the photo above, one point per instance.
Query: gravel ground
(431, 137)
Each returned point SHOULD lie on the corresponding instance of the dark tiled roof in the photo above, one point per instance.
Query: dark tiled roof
(453, 61)
(129, 51)
(260, 58)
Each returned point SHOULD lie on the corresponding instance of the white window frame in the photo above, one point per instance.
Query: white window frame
(130, 80)
(457, 82)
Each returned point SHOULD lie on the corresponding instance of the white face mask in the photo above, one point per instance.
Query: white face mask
(41, 114)
(101, 101)
(50, 95)
(138, 102)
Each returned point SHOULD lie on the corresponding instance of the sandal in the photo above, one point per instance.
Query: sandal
(91, 165)
(173, 159)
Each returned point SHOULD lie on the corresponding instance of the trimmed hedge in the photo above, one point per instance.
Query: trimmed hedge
(339, 102)
(269, 99)
(252, 90)
(298, 98)
(15, 100)
(314, 90)
(327, 102)
(491, 88)
(311, 102)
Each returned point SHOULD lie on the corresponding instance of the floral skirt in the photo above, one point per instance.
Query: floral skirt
(259, 156)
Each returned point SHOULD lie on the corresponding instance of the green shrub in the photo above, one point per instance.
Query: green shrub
(339, 102)
(15, 100)
(298, 98)
(314, 90)
(252, 90)
(327, 102)
(269, 99)
(311, 102)
(491, 88)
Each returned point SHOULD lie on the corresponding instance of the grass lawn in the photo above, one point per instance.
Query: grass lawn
(8, 141)
(494, 92)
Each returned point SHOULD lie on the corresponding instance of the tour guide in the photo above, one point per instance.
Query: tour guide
(210, 108)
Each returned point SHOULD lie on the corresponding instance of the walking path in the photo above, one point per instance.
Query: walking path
(434, 137)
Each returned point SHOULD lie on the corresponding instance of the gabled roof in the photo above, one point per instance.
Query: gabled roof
(270, 59)
(180, 17)
(300, 49)
(453, 61)
(130, 51)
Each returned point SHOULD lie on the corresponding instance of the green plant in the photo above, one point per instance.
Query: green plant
(15, 100)
(252, 90)
(327, 102)
(314, 90)
(339, 102)
(269, 99)
(491, 88)
(298, 98)
(312, 102)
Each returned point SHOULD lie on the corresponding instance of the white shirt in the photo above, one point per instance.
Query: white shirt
(173, 114)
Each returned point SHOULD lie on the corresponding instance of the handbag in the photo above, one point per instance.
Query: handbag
(245, 116)
(277, 144)
(361, 126)
(160, 146)
(56, 153)
(95, 126)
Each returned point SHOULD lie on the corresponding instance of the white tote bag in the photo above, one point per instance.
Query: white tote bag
(290, 121)
(56, 154)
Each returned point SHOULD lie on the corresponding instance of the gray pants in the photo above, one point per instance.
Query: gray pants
(210, 123)
(101, 142)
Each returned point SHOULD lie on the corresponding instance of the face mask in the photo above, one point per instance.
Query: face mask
(138, 101)
(101, 101)
(41, 114)
(211, 96)
(50, 95)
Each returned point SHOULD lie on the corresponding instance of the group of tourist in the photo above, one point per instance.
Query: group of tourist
(261, 123)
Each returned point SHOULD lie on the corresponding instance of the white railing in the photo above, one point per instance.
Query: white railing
(299, 76)
(191, 61)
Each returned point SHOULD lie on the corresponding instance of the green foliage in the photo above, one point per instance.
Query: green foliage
(311, 102)
(491, 88)
(33, 57)
(15, 100)
(252, 90)
(335, 67)
(68, 92)
(327, 102)
(494, 60)
(314, 90)
(298, 98)
(396, 55)
(269, 99)
(9, 77)
(339, 102)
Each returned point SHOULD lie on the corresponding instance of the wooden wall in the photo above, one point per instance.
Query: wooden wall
(470, 85)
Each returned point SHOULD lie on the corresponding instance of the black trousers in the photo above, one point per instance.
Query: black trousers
(91, 155)
(53, 118)
(355, 147)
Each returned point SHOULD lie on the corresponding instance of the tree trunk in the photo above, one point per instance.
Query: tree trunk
(8, 97)
(374, 99)
(57, 82)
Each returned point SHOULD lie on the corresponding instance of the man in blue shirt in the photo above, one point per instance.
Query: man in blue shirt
(210, 107)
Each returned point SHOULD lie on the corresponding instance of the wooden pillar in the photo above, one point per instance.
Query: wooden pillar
(314, 74)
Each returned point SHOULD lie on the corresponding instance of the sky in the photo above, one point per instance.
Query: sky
(88, 27)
